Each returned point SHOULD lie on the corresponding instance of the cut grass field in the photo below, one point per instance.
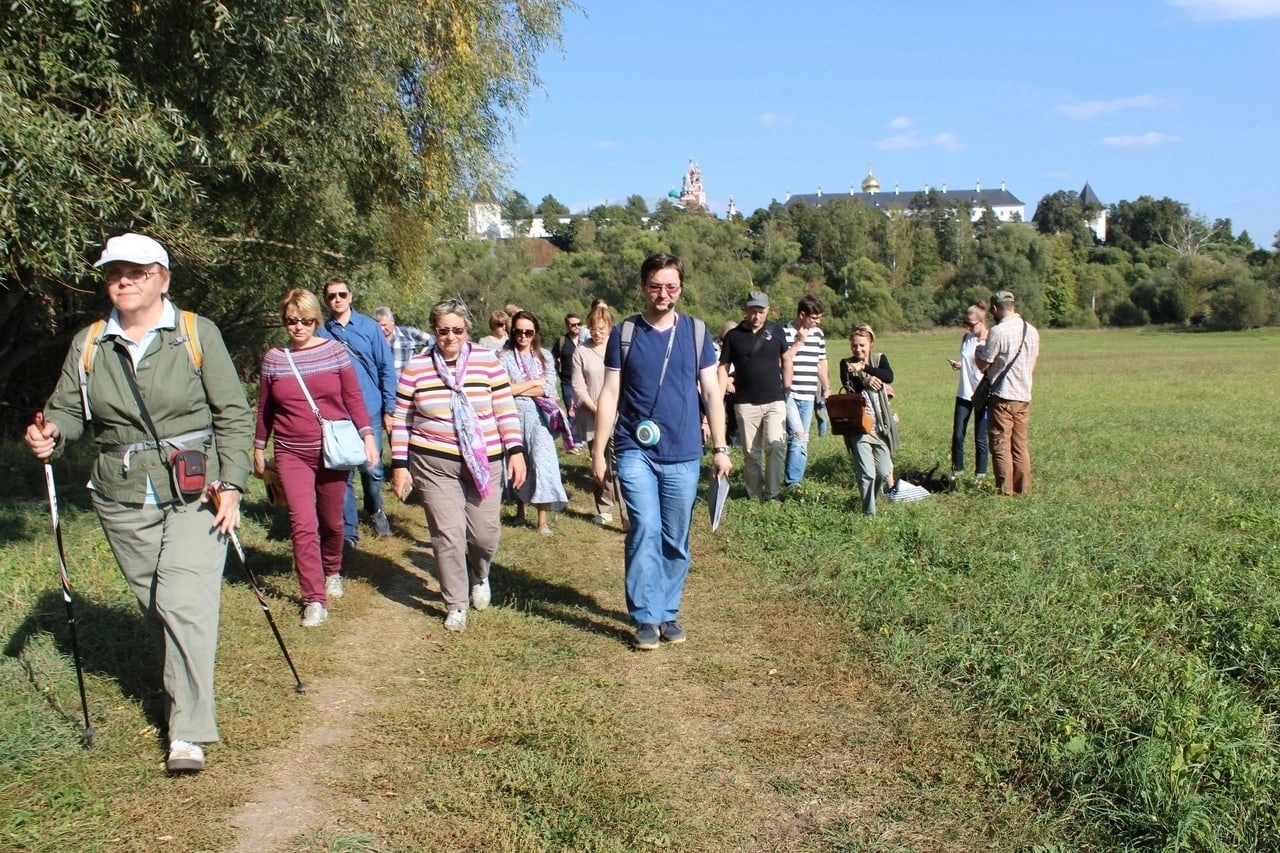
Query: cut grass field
(1093, 667)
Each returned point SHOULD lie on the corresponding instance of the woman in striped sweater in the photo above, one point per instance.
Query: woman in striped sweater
(454, 425)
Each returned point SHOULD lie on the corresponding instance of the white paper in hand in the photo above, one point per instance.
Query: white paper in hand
(717, 498)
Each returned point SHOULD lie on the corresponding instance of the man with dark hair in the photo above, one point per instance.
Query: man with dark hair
(656, 368)
(804, 367)
(371, 354)
(1007, 356)
(562, 352)
(754, 347)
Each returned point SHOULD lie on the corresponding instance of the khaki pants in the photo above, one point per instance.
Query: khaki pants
(1007, 426)
(465, 528)
(763, 427)
(173, 561)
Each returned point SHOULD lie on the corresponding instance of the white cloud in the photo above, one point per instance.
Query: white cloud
(1058, 175)
(1092, 109)
(946, 141)
(606, 145)
(1228, 10)
(774, 119)
(901, 123)
(1140, 140)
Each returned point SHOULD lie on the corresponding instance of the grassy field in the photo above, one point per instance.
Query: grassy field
(1094, 667)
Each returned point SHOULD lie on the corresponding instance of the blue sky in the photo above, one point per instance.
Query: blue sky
(1158, 97)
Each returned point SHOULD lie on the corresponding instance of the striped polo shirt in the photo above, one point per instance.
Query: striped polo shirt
(804, 377)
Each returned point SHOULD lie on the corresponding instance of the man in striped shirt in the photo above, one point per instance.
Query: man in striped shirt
(804, 366)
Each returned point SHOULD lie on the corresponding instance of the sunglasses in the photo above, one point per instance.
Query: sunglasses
(300, 321)
(574, 325)
(656, 288)
(338, 294)
(456, 331)
(522, 333)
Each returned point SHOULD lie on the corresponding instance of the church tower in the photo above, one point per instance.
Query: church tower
(692, 194)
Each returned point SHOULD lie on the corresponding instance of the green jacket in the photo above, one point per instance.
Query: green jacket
(179, 398)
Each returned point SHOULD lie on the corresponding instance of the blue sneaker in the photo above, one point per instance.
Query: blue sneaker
(647, 637)
(671, 632)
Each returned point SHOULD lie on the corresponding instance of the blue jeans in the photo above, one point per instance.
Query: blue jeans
(371, 481)
(659, 499)
(799, 419)
(960, 423)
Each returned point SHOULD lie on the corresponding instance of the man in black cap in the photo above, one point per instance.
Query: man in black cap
(755, 347)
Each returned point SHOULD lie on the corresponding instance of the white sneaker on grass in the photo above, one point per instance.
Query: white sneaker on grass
(333, 586)
(456, 620)
(313, 614)
(904, 492)
(480, 595)
(184, 757)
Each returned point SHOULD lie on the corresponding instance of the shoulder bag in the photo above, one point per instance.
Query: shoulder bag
(340, 441)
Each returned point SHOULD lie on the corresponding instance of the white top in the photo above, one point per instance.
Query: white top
(970, 375)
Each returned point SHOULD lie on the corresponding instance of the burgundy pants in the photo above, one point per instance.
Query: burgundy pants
(315, 496)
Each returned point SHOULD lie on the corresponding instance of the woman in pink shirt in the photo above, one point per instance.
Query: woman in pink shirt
(313, 493)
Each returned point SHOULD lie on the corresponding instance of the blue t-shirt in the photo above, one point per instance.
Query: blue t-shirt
(676, 412)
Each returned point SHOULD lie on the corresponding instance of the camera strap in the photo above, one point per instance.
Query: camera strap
(126, 364)
(666, 360)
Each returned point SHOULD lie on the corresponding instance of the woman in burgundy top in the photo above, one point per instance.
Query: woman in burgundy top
(314, 493)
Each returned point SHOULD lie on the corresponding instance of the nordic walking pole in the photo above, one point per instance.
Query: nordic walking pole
(86, 738)
(299, 687)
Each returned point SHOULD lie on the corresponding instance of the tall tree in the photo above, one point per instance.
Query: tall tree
(550, 207)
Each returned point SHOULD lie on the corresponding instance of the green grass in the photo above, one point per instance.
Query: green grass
(1120, 623)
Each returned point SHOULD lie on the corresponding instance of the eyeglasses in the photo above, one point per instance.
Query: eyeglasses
(522, 333)
(338, 294)
(456, 331)
(574, 325)
(654, 287)
(138, 275)
(300, 321)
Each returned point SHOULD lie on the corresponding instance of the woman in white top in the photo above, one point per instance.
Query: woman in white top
(588, 381)
(975, 320)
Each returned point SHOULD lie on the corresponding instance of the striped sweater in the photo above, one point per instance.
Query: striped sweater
(423, 419)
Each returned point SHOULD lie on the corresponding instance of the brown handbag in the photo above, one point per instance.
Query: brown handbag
(850, 414)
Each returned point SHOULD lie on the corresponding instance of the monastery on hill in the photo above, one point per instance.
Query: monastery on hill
(1007, 206)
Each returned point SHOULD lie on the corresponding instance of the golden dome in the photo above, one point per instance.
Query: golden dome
(870, 184)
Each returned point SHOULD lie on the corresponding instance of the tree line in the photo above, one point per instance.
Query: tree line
(915, 268)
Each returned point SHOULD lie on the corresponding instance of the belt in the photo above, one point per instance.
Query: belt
(178, 442)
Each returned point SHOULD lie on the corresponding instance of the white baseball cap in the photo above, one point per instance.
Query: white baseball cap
(134, 248)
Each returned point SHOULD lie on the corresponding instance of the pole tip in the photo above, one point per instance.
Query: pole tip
(87, 738)
(301, 688)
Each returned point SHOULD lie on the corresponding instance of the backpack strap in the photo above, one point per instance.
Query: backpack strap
(87, 355)
(93, 341)
(629, 332)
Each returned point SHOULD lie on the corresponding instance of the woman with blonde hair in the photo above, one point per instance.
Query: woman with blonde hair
(975, 324)
(307, 379)
(499, 321)
(588, 381)
(870, 374)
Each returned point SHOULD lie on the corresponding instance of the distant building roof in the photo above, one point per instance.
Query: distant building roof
(1088, 196)
(975, 198)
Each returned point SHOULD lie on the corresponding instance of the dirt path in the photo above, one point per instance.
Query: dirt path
(766, 731)
(290, 801)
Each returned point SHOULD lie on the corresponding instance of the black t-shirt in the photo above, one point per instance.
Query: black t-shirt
(563, 355)
(757, 362)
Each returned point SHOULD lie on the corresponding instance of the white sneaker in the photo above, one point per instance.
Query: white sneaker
(603, 518)
(333, 586)
(184, 756)
(313, 614)
(456, 620)
(480, 595)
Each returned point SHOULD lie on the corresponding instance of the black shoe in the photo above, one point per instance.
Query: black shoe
(672, 632)
(348, 545)
(381, 524)
(647, 637)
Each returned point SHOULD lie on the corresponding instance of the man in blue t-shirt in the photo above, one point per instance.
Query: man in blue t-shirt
(371, 355)
(650, 405)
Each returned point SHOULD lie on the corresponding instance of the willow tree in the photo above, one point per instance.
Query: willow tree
(268, 144)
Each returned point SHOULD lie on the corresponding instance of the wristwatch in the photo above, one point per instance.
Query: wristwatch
(720, 448)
